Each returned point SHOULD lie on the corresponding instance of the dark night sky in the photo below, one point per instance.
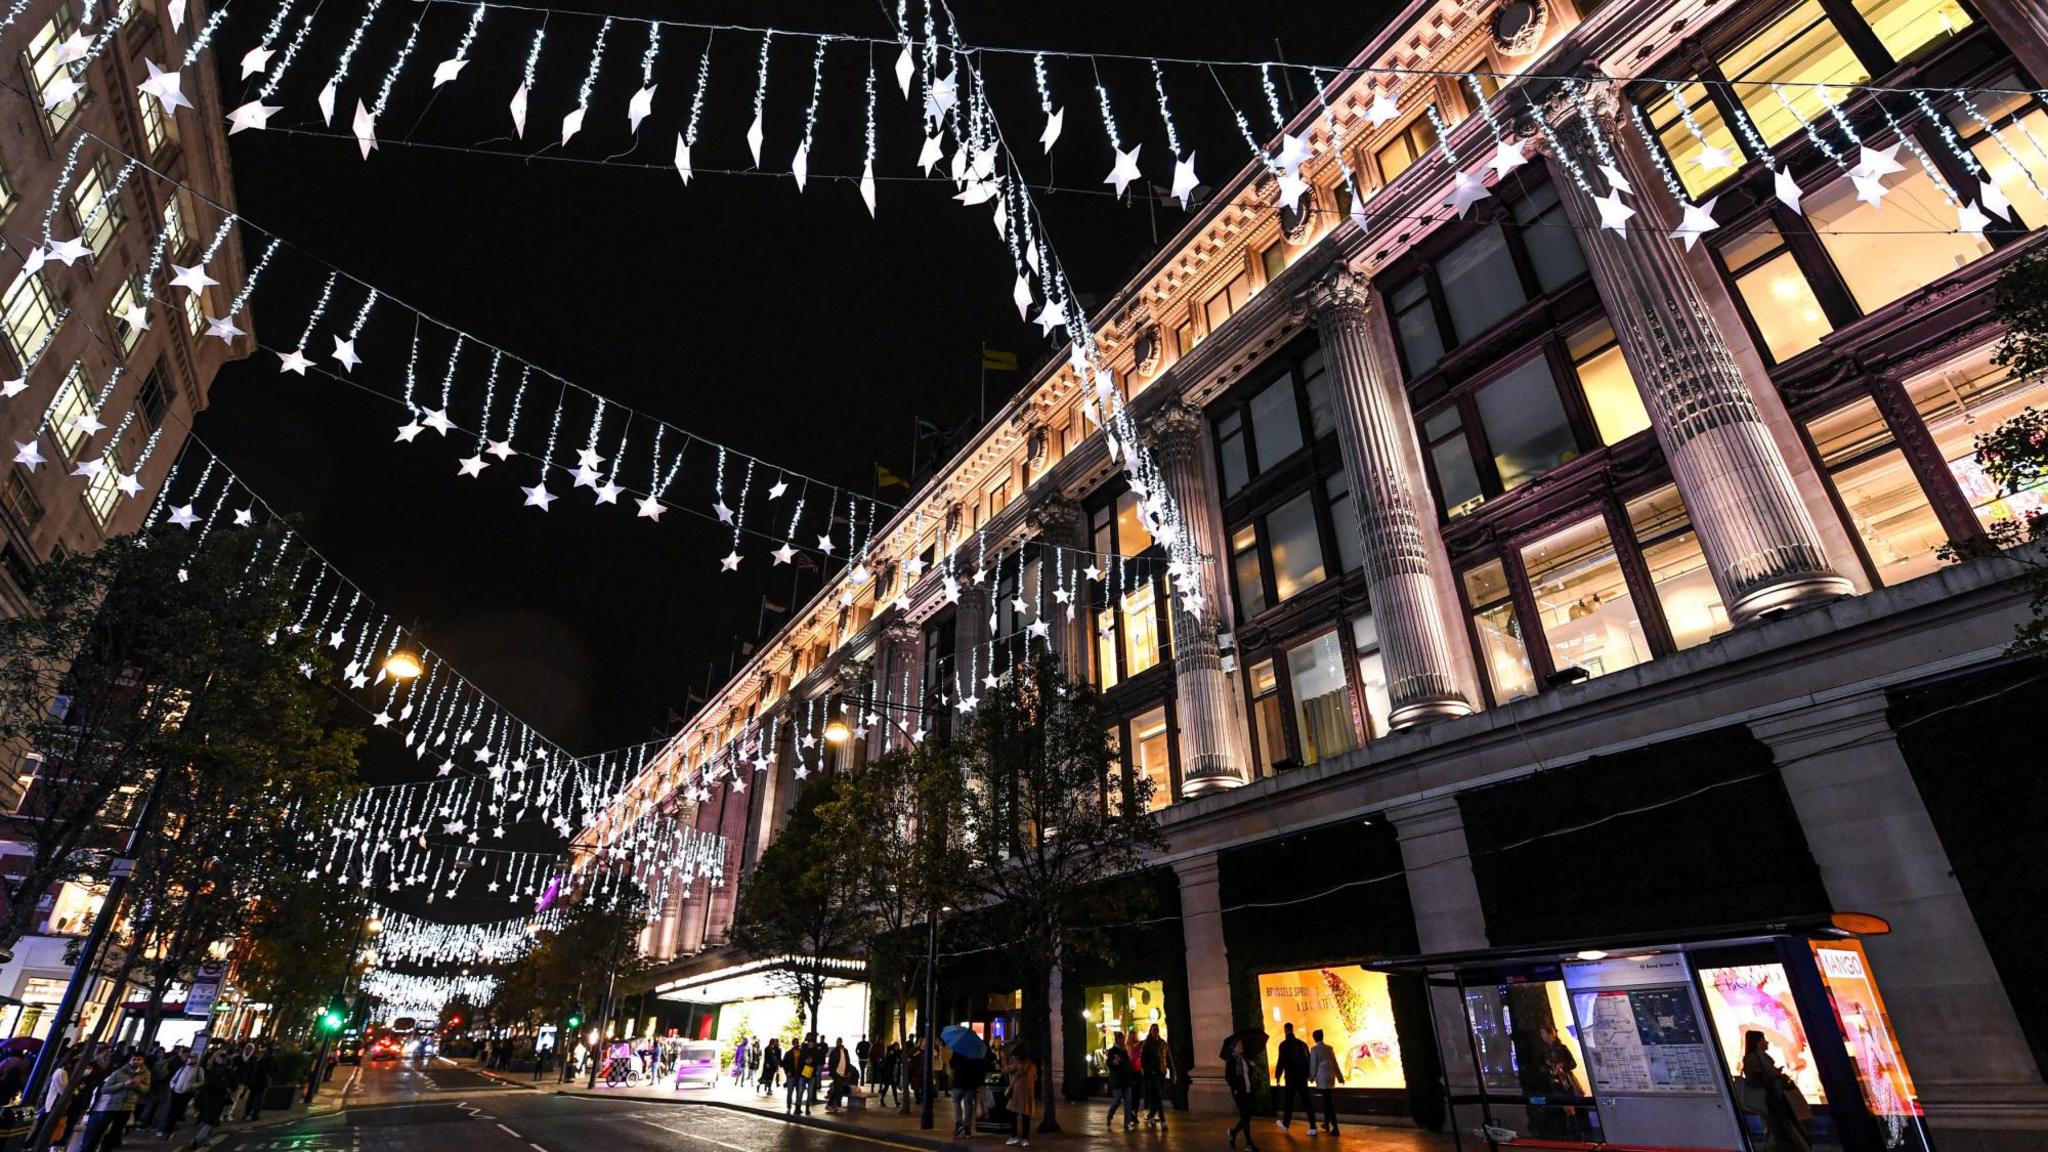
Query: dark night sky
(789, 326)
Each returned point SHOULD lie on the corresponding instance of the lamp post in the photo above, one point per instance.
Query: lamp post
(931, 1014)
(371, 925)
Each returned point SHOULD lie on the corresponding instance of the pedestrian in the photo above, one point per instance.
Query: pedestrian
(256, 1080)
(968, 1075)
(114, 1104)
(887, 1073)
(57, 1099)
(913, 1070)
(1023, 1095)
(14, 1072)
(1116, 1062)
(861, 1052)
(1323, 1067)
(186, 1080)
(91, 1073)
(214, 1094)
(771, 1063)
(1237, 1073)
(793, 1073)
(1156, 1064)
(840, 1067)
(1290, 1079)
(739, 1062)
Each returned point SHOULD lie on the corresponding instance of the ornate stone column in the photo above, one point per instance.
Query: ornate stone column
(1215, 750)
(1760, 543)
(900, 691)
(1422, 683)
(970, 640)
(1056, 521)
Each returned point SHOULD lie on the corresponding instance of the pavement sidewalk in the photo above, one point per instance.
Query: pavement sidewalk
(1083, 1124)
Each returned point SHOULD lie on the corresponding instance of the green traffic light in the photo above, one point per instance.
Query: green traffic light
(575, 1021)
(331, 1020)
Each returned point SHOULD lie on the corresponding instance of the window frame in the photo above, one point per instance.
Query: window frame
(1102, 596)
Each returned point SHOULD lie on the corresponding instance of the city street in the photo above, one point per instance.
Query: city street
(400, 1108)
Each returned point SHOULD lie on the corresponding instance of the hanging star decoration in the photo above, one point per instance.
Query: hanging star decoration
(1126, 168)
(183, 516)
(1614, 215)
(472, 465)
(1698, 220)
(650, 508)
(166, 87)
(1466, 190)
(538, 496)
(1184, 180)
(345, 351)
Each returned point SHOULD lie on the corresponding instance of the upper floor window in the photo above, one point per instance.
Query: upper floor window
(1261, 432)
(102, 491)
(44, 72)
(8, 195)
(1568, 394)
(156, 129)
(1407, 145)
(1226, 300)
(99, 211)
(125, 297)
(153, 400)
(178, 240)
(1500, 266)
(1131, 615)
(73, 400)
(29, 316)
(1773, 77)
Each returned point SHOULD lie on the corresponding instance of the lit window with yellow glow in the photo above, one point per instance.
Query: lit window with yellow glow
(1604, 377)
(1775, 293)
(73, 400)
(1799, 50)
(1908, 26)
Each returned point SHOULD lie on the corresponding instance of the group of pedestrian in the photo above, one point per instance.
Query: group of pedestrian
(1138, 1071)
(1296, 1066)
(96, 1093)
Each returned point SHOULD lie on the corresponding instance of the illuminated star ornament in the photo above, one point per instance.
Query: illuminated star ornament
(294, 361)
(1290, 190)
(166, 87)
(784, 554)
(502, 449)
(538, 496)
(256, 60)
(1125, 169)
(1466, 190)
(345, 351)
(183, 516)
(437, 419)
(731, 563)
(472, 466)
(223, 328)
(68, 250)
(1184, 182)
(136, 316)
(29, 454)
(245, 517)
(1506, 158)
(1054, 121)
(640, 106)
(192, 279)
(651, 509)
(255, 114)
(1698, 221)
(1614, 215)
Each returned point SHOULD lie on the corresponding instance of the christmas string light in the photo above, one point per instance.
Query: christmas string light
(249, 282)
(518, 103)
(63, 185)
(867, 168)
(1055, 118)
(642, 103)
(348, 55)
(800, 165)
(291, 52)
(754, 135)
(573, 122)
(319, 310)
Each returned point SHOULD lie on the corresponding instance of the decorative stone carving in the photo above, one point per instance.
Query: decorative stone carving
(1518, 26)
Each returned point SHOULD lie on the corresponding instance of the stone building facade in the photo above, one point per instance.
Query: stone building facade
(1565, 585)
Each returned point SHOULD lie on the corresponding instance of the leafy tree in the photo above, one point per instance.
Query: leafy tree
(801, 902)
(1048, 821)
(297, 947)
(569, 966)
(2015, 454)
(168, 698)
(893, 829)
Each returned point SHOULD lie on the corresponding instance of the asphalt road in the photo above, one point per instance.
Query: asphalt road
(441, 1108)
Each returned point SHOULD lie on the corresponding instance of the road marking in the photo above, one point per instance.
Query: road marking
(508, 1132)
(536, 1148)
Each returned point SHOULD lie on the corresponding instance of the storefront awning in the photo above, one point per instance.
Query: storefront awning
(755, 979)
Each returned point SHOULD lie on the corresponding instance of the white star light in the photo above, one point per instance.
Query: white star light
(136, 316)
(584, 477)
(784, 554)
(1184, 181)
(1289, 191)
(410, 431)
(1050, 317)
(255, 114)
(87, 423)
(651, 509)
(1126, 168)
(165, 86)
(929, 156)
(60, 89)
(364, 127)
(245, 517)
(538, 496)
(825, 543)
(608, 493)
(437, 419)
(76, 47)
(1613, 213)
(1506, 158)
(345, 351)
(1698, 221)
(1869, 189)
(448, 70)
(724, 513)
(192, 279)
(1711, 159)
(640, 106)
(502, 449)
(472, 466)
(587, 457)
(68, 250)
(89, 468)
(223, 328)
(15, 387)
(1615, 179)
(183, 516)
(731, 563)
(128, 483)
(1993, 199)
(1785, 188)
(1466, 190)
(29, 454)
(1877, 161)
(1970, 221)
(1054, 121)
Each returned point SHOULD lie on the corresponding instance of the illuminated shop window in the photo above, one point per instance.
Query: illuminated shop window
(1882, 253)
(1322, 698)
(1503, 654)
(1604, 378)
(1877, 488)
(1589, 620)
(1799, 50)
(1686, 592)
(1775, 293)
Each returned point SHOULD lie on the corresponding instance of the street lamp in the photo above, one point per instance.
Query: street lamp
(836, 732)
(403, 663)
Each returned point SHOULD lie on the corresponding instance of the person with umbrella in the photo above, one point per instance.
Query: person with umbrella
(969, 1065)
(1237, 1073)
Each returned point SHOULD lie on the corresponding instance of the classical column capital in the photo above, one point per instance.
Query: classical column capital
(901, 633)
(1054, 519)
(1338, 293)
(1176, 432)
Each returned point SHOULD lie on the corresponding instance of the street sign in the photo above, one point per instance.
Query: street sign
(205, 988)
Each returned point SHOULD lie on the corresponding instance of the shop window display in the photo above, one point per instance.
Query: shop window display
(1958, 405)
(1518, 1028)
(1269, 727)
(1686, 591)
(1748, 998)
(1503, 653)
(1883, 251)
(1354, 1011)
(1107, 1009)
(1152, 756)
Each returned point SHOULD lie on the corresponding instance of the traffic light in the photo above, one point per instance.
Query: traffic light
(575, 1018)
(334, 1017)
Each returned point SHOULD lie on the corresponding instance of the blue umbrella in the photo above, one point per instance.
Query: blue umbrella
(964, 1041)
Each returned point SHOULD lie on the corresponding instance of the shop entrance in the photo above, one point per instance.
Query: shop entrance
(1775, 1040)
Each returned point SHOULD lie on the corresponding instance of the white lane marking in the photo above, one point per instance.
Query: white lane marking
(536, 1148)
(693, 1135)
(509, 1132)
